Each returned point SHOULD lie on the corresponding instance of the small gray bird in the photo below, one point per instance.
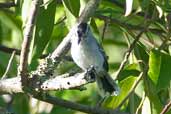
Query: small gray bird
(86, 52)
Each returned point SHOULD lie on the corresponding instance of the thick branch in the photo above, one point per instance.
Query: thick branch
(88, 11)
(13, 85)
(63, 82)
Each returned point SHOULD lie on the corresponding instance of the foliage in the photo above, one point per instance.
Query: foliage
(115, 27)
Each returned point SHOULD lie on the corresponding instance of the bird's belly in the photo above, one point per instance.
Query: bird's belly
(85, 57)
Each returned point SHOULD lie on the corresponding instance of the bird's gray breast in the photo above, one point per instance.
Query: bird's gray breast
(86, 54)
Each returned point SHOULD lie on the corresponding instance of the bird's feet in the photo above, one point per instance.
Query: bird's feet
(90, 74)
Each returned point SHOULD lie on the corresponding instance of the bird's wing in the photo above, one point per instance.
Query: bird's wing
(105, 64)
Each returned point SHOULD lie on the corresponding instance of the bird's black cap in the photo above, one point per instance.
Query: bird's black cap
(82, 28)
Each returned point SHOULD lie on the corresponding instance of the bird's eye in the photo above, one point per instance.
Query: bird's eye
(80, 33)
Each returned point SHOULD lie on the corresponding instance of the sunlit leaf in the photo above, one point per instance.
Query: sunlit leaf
(125, 86)
(72, 11)
(146, 108)
(20, 104)
(160, 11)
(159, 69)
(129, 70)
(129, 4)
(10, 21)
(152, 93)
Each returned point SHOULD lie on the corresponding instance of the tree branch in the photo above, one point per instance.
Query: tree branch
(9, 50)
(64, 82)
(17, 51)
(76, 106)
(60, 82)
(28, 31)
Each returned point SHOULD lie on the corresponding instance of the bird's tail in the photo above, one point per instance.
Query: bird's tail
(107, 86)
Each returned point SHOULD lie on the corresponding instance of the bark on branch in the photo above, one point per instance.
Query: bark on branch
(61, 82)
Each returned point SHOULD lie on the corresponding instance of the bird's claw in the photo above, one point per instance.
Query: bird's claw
(90, 74)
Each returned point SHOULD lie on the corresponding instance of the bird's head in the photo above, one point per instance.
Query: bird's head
(82, 31)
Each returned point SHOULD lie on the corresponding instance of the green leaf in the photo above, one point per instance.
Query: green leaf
(43, 31)
(156, 105)
(151, 92)
(10, 21)
(129, 70)
(95, 30)
(72, 11)
(73, 7)
(125, 86)
(21, 104)
(159, 69)
(141, 53)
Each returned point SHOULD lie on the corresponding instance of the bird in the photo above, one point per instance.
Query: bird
(86, 53)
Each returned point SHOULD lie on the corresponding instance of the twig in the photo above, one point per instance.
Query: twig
(164, 43)
(128, 53)
(166, 108)
(7, 5)
(17, 52)
(133, 87)
(9, 50)
(126, 25)
(27, 40)
(135, 42)
(8, 66)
